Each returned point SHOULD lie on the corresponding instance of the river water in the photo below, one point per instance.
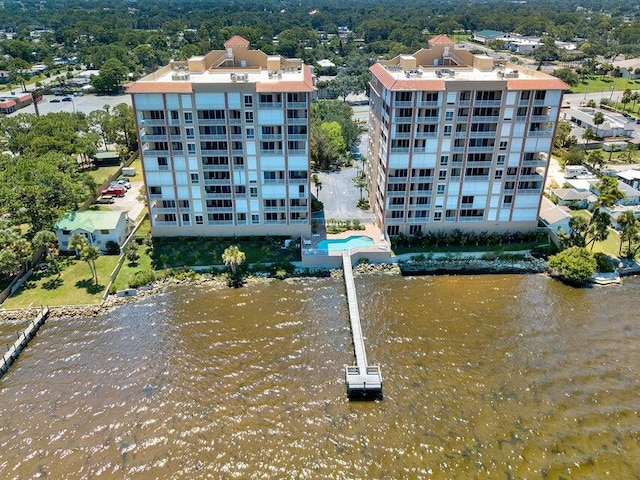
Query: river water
(503, 376)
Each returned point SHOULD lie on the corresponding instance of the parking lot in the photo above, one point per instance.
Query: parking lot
(85, 104)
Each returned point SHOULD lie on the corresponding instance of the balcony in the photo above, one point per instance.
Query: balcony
(216, 137)
(216, 168)
(487, 103)
(521, 118)
(483, 134)
(273, 181)
(217, 181)
(297, 151)
(280, 208)
(391, 193)
(490, 119)
(539, 118)
(299, 221)
(270, 153)
(482, 149)
(429, 104)
(213, 223)
(214, 153)
(298, 181)
(149, 122)
(298, 208)
(223, 196)
(476, 178)
(401, 135)
(297, 121)
(464, 103)
(402, 103)
(220, 209)
(399, 150)
(539, 102)
(425, 119)
(540, 133)
(160, 210)
(298, 137)
(420, 193)
(426, 134)
(416, 206)
(296, 105)
(211, 121)
(422, 179)
(397, 179)
(277, 105)
(165, 223)
(153, 138)
(275, 222)
(235, 121)
(155, 153)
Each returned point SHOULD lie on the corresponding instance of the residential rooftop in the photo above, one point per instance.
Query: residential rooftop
(236, 64)
(443, 62)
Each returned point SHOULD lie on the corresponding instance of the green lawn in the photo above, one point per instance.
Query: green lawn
(599, 84)
(611, 245)
(102, 174)
(74, 287)
(128, 270)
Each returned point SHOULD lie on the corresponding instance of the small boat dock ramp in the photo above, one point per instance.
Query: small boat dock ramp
(363, 380)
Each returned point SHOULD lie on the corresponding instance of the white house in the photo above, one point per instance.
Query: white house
(97, 227)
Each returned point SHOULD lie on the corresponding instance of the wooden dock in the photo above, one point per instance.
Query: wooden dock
(23, 340)
(363, 380)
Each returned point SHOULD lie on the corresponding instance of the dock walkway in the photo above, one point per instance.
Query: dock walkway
(362, 379)
(23, 339)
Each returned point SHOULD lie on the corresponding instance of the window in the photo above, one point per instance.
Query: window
(508, 199)
(188, 117)
(437, 216)
(467, 199)
(447, 130)
(199, 220)
(190, 133)
(442, 175)
(248, 101)
(441, 187)
(194, 178)
(253, 191)
(163, 163)
(448, 115)
(503, 144)
(444, 159)
(250, 133)
(497, 175)
(155, 190)
(242, 218)
(255, 218)
(175, 115)
(191, 147)
(104, 232)
(501, 159)
(248, 117)
(186, 218)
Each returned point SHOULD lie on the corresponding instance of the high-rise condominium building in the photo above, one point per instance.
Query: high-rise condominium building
(225, 143)
(459, 141)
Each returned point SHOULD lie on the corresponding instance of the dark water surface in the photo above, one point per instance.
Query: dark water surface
(510, 377)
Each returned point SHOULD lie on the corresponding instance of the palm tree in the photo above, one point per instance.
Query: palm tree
(233, 257)
(360, 182)
(635, 96)
(598, 119)
(588, 135)
(90, 254)
(630, 228)
(630, 151)
(47, 240)
(77, 242)
(626, 98)
(316, 183)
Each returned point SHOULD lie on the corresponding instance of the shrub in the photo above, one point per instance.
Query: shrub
(142, 277)
(112, 248)
(604, 262)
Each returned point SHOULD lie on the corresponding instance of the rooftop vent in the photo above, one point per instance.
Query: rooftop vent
(180, 75)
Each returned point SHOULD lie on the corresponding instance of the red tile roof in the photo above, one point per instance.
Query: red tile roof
(237, 41)
(550, 83)
(441, 40)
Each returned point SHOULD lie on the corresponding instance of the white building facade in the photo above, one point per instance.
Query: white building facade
(225, 144)
(458, 142)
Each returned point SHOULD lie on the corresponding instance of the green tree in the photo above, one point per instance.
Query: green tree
(598, 119)
(575, 265)
(77, 242)
(567, 75)
(333, 131)
(315, 179)
(131, 252)
(360, 182)
(233, 257)
(595, 159)
(588, 135)
(47, 240)
(124, 124)
(90, 254)
(103, 124)
(630, 229)
(112, 73)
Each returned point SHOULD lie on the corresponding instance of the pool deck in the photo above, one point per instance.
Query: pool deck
(379, 252)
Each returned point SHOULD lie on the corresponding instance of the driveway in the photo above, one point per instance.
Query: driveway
(129, 203)
(340, 195)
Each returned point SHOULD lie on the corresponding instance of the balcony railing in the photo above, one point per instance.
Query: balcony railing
(296, 105)
(214, 153)
(152, 121)
(540, 133)
(219, 167)
(270, 105)
(216, 181)
(487, 103)
(211, 121)
(274, 152)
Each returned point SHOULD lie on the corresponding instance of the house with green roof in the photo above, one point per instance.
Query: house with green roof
(98, 227)
(486, 36)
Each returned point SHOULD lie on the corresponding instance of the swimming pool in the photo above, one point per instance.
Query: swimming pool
(342, 244)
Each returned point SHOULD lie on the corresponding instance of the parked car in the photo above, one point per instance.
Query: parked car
(125, 182)
(55, 100)
(78, 94)
(66, 99)
(105, 199)
(115, 190)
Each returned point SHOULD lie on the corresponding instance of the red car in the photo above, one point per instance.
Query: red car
(115, 190)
